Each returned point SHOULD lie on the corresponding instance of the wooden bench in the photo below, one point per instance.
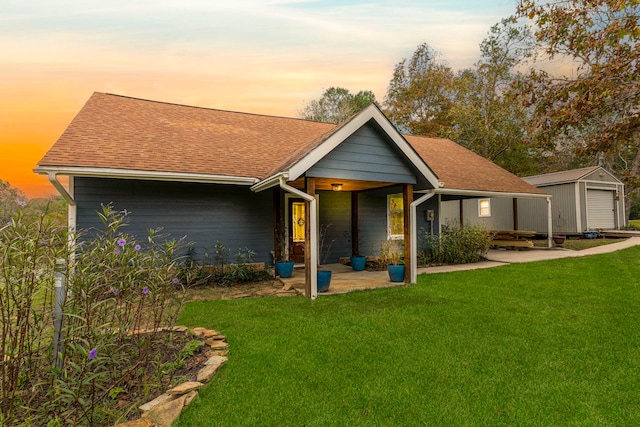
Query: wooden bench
(514, 239)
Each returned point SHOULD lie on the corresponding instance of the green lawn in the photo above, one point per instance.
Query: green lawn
(549, 343)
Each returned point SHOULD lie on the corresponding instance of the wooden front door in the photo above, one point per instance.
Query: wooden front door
(296, 230)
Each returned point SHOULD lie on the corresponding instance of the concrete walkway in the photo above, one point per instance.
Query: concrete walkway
(344, 279)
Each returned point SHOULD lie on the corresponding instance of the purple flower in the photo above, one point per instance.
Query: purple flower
(117, 251)
(21, 203)
(176, 280)
(122, 242)
(93, 353)
(137, 247)
(115, 291)
(145, 290)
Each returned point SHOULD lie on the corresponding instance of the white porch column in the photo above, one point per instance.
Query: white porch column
(414, 234)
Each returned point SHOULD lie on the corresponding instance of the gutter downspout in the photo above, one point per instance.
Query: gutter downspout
(549, 222)
(313, 256)
(414, 235)
(53, 178)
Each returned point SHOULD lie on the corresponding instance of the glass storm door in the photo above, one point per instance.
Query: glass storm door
(296, 231)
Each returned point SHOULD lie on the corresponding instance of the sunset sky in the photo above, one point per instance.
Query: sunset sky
(258, 56)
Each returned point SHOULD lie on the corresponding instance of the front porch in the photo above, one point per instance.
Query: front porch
(343, 280)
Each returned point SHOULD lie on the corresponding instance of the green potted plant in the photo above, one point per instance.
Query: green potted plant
(391, 255)
(358, 262)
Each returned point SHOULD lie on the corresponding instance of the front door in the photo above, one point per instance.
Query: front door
(296, 230)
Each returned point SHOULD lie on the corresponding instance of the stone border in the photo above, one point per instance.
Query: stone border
(164, 409)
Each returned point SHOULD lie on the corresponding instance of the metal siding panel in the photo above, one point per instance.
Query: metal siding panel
(501, 213)
(532, 215)
(365, 155)
(204, 213)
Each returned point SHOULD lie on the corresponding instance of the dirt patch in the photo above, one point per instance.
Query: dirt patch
(246, 290)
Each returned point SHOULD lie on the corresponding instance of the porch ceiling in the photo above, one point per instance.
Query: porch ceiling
(324, 184)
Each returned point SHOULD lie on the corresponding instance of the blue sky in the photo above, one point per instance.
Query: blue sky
(268, 57)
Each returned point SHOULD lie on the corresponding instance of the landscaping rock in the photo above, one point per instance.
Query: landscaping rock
(210, 333)
(163, 398)
(188, 398)
(211, 367)
(216, 344)
(180, 328)
(143, 422)
(199, 332)
(184, 388)
(165, 414)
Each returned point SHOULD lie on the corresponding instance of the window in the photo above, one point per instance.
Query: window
(297, 221)
(484, 208)
(395, 216)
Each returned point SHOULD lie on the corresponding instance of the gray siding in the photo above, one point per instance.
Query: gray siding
(203, 213)
(335, 212)
(532, 214)
(501, 213)
(365, 155)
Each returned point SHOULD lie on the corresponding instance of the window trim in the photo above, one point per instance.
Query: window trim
(488, 208)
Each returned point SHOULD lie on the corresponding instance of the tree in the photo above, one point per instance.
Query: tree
(598, 102)
(11, 199)
(420, 95)
(485, 117)
(336, 105)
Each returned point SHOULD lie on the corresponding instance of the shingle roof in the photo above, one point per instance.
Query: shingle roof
(113, 131)
(562, 176)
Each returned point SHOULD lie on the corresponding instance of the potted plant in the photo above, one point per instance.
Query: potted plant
(358, 262)
(324, 276)
(391, 255)
(559, 240)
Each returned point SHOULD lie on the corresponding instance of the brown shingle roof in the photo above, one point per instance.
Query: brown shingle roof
(459, 168)
(113, 131)
(125, 133)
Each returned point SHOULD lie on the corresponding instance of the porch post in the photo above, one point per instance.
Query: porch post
(515, 214)
(549, 222)
(310, 188)
(407, 199)
(355, 227)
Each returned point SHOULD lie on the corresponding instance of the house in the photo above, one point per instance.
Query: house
(583, 199)
(265, 182)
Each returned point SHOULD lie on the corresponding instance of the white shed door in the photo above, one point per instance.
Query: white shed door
(600, 209)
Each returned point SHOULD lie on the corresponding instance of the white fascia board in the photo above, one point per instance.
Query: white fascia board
(369, 113)
(270, 182)
(145, 175)
(480, 193)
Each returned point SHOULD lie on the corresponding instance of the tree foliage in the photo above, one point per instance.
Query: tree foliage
(11, 199)
(419, 96)
(484, 116)
(336, 105)
(596, 104)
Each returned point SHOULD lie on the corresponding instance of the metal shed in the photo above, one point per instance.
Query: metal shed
(583, 199)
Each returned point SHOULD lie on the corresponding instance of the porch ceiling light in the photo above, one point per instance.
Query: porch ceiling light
(336, 187)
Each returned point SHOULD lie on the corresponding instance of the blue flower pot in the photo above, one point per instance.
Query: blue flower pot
(285, 268)
(396, 272)
(590, 234)
(358, 263)
(324, 280)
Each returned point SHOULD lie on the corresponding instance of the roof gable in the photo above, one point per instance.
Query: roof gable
(569, 176)
(323, 146)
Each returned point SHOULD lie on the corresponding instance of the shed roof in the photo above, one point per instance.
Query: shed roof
(564, 176)
(116, 132)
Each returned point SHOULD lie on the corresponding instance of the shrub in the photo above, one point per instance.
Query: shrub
(116, 286)
(455, 244)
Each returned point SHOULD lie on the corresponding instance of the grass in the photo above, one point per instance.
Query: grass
(547, 343)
